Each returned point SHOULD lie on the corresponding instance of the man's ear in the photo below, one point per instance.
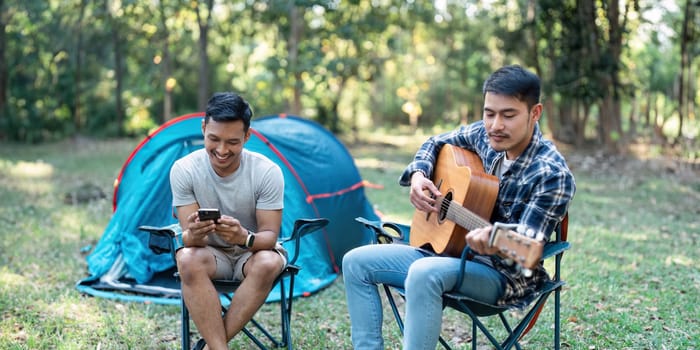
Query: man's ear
(536, 112)
(204, 126)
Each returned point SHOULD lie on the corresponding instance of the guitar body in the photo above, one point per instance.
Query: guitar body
(460, 177)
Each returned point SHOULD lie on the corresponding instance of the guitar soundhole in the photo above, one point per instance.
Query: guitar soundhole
(444, 205)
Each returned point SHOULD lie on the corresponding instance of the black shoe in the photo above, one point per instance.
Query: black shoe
(200, 344)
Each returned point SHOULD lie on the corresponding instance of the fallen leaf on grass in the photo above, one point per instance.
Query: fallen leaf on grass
(678, 260)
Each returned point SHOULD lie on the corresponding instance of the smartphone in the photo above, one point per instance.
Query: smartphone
(209, 214)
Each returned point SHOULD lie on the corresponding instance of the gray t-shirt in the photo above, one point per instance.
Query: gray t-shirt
(257, 184)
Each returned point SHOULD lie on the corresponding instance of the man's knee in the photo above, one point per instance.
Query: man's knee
(351, 263)
(192, 261)
(360, 262)
(264, 263)
(421, 272)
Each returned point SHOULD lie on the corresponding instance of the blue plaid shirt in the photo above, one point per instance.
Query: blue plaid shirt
(535, 191)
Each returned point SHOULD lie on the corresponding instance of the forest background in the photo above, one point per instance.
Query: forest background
(614, 72)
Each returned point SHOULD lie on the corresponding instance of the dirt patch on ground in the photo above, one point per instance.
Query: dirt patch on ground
(637, 161)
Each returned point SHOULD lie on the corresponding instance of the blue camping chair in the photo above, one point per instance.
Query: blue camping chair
(163, 240)
(388, 232)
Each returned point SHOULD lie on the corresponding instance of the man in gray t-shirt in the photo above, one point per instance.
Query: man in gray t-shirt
(248, 190)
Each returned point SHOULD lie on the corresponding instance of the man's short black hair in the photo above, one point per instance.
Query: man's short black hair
(514, 81)
(228, 107)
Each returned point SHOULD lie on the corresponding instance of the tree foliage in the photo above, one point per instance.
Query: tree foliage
(111, 68)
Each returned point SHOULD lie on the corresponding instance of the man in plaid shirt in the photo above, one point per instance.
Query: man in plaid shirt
(535, 189)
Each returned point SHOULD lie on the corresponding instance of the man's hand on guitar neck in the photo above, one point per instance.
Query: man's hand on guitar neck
(423, 193)
(516, 247)
(478, 240)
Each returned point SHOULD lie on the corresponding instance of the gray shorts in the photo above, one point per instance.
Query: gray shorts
(230, 261)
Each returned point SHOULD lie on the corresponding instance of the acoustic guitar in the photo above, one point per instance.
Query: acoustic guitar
(469, 196)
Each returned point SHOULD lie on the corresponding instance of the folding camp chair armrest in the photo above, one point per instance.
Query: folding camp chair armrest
(161, 239)
(383, 236)
(303, 227)
(165, 231)
(550, 286)
(466, 253)
(554, 248)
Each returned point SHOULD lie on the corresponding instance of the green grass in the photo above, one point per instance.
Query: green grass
(632, 273)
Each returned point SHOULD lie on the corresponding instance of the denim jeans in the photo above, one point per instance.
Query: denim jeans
(423, 276)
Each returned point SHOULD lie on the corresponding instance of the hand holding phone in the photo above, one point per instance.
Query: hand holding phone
(209, 214)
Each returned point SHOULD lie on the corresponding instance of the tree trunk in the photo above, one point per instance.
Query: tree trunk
(647, 110)
(295, 34)
(611, 111)
(4, 19)
(691, 111)
(582, 124)
(203, 90)
(334, 125)
(549, 114)
(609, 135)
(531, 18)
(118, 70)
(478, 112)
(166, 66)
(685, 65)
(77, 107)
(634, 117)
(658, 127)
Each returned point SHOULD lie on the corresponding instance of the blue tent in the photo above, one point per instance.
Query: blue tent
(321, 180)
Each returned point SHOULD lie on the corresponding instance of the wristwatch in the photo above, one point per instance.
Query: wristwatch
(249, 240)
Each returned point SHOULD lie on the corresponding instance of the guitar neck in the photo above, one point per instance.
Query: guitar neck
(462, 216)
(523, 250)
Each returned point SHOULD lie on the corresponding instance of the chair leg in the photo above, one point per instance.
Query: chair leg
(556, 318)
(253, 338)
(506, 344)
(399, 321)
(185, 328)
(245, 329)
(284, 320)
(517, 332)
(186, 334)
(477, 323)
(394, 309)
(287, 313)
(444, 343)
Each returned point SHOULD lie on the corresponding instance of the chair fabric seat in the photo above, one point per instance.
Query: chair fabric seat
(482, 309)
(230, 286)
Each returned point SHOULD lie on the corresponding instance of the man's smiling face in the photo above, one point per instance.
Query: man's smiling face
(224, 142)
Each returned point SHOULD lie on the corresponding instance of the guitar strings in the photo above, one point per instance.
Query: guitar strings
(463, 215)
